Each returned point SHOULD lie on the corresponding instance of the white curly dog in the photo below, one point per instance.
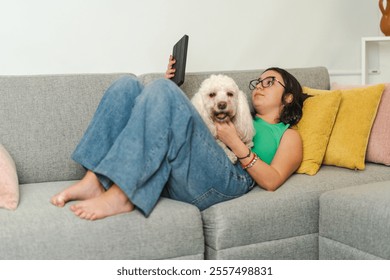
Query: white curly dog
(218, 100)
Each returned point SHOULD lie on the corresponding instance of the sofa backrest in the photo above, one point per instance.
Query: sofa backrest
(315, 77)
(43, 117)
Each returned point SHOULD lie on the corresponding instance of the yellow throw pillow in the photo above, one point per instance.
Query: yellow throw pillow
(315, 127)
(348, 141)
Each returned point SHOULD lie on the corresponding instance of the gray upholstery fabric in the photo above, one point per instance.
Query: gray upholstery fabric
(304, 247)
(333, 250)
(39, 230)
(292, 210)
(316, 77)
(43, 118)
(358, 217)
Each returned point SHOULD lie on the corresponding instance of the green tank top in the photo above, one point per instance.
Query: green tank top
(267, 138)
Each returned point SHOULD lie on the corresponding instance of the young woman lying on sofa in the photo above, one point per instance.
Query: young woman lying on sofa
(147, 142)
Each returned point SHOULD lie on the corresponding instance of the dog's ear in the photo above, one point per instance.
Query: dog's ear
(243, 120)
(198, 102)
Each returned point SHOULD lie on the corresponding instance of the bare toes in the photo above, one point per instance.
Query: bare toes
(110, 203)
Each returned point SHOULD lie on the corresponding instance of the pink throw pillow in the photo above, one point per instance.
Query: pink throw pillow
(378, 149)
(9, 184)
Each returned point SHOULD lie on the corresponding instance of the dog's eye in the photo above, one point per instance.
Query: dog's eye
(212, 94)
(230, 94)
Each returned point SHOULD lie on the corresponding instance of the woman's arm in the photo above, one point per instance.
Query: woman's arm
(287, 159)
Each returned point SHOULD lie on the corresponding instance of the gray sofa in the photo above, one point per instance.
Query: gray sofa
(309, 217)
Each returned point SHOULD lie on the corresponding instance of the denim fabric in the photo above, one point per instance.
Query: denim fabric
(151, 139)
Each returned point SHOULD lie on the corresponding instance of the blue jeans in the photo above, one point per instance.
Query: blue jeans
(150, 141)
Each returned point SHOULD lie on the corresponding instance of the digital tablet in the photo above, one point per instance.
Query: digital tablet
(180, 54)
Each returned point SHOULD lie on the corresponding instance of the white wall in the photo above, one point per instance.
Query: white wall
(80, 36)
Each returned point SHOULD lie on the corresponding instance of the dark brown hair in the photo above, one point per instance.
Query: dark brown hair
(291, 112)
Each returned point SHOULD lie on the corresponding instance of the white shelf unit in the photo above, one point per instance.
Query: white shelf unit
(365, 41)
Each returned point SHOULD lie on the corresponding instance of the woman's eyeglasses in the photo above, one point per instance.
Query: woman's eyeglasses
(265, 83)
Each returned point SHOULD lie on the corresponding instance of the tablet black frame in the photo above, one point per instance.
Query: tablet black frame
(180, 55)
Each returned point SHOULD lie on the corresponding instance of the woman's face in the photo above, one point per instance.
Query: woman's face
(266, 99)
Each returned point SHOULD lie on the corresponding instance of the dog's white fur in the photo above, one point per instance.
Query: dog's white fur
(218, 100)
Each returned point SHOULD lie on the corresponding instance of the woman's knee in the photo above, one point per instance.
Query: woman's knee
(164, 89)
(126, 85)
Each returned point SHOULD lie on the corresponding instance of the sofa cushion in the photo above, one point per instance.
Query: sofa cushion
(39, 230)
(378, 149)
(315, 127)
(298, 247)
(9, 185)
(348, 142)
(44, 117)
(234, 228)
(355, 222)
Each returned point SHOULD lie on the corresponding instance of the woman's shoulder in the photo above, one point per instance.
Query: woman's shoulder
(292, 135)
(292, 146)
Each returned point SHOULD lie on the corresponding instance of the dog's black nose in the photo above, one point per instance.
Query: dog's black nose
(222, 105)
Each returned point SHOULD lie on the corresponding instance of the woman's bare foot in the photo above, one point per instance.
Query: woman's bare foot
(86, 188)
(113, 201)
